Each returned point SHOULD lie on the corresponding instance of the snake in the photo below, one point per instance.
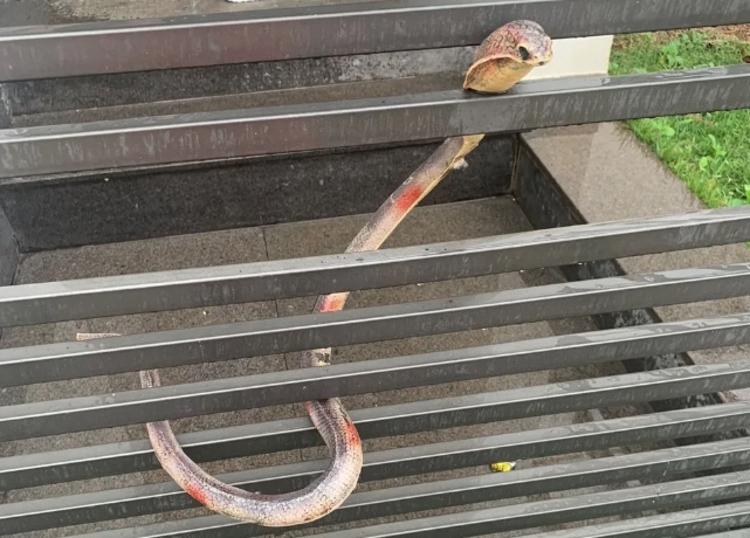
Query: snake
(501, 60)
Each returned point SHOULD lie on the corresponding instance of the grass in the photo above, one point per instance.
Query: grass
(709, 152)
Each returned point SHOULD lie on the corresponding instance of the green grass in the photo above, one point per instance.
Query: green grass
(709, 152)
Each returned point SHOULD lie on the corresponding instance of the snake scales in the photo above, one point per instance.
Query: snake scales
(504, 58)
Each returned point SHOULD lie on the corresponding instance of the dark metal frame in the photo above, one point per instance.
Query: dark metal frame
(709, 474)
(358, 28)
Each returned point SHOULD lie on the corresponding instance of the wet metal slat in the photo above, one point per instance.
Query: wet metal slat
(326, 126)
(283, 34)
(52, 302)
(69, 360)
(555, 511)
(742, 533)
(225, 395)
(496, 360)
(155, 498)
(693, 522)
(689, 523)
(523, 482)
(534, 514)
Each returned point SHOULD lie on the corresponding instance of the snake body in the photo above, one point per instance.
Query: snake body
(505, 57)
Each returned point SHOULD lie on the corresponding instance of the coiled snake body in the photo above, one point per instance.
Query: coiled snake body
(505, 57)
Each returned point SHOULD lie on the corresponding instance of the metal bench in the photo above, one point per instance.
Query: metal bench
(676, 468)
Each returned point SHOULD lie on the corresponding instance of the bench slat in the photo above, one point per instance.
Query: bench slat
(219, 396)
(52, 302)
(330, 30)
(70, 360)
(463, 364)
(556, 511)
(166, 496)
(104, 145)
(692, 522)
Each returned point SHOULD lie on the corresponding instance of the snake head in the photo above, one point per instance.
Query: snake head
(507, 55)
(531, 45)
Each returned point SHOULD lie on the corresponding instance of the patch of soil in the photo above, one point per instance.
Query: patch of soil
(739, 31)
(735, 31)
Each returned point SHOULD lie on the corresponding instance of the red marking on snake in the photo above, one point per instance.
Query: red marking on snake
(195, 492)
(332, 303)
(408, 198)
(351, 431)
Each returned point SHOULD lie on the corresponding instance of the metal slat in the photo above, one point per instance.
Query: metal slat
(522, 482)
(154, 498)
(741, 533)
(226, 395)
(692, 522)
(121, 46)
(565, 476)
(52, 302)
(687, 523)
(554, 511)
(325, 126)
(501, 359)
(34, 364)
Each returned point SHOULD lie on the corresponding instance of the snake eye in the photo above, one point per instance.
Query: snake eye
(524, 53)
